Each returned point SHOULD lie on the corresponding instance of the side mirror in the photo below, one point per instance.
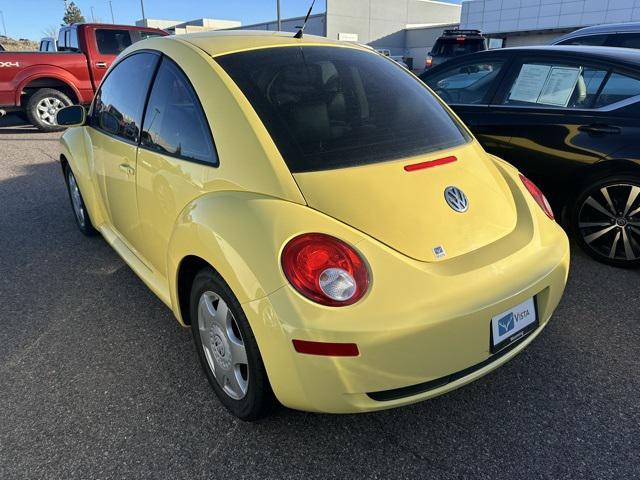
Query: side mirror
(73, 116)
(109, 122)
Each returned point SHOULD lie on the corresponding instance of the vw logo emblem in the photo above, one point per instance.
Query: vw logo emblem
(456, 199)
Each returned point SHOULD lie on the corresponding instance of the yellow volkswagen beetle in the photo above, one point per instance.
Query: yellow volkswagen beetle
(332, 233)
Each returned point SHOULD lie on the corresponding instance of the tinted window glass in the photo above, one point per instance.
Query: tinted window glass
(328, 107)
(455, 46)
(594, 40)
(555, 85)
(626, 40)
(119, 102)
(112, 42)
(618, 87)
(466, 84)
(174, 123)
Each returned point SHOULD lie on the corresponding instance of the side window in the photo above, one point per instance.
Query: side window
(618, 87)
(468, 83)
(625, 40)
(174, 122)
(73, 40)
(61, 41)
(593, 40)
(555, 85)
(119, 103)
(112, 42)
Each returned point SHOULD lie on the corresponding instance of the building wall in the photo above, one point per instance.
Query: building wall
(179, 27)
(501, 16)
(315, 26)
(529, 39)
(156, 23)
(382, 23)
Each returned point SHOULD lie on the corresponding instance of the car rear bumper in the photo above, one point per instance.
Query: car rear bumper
(409, 351)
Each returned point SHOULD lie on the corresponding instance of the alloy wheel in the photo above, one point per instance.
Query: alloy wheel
(609, 221)
(47, 108)
(223, 345)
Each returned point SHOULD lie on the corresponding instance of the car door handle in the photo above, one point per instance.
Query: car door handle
(101, 64)
(128, 169)
(599, 129)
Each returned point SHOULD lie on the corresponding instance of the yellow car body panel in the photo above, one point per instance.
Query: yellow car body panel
(422, 318)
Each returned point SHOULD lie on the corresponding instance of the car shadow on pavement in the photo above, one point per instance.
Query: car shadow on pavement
(14, 123)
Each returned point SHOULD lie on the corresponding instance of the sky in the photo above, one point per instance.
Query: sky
(32, 19)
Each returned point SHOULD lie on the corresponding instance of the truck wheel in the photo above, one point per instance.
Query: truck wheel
(42, 107)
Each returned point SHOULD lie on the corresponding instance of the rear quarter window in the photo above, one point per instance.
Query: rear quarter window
(112, 42)
(331, 107)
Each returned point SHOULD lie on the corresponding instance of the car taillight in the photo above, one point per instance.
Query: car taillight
(428, 63)
(538, 196)
(325, 269)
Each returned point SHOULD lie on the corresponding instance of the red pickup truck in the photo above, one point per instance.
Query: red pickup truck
(41, 83)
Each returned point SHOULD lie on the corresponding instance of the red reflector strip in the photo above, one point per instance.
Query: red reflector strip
(430, 163)
(329, 349)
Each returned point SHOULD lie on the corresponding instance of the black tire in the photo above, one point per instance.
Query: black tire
(56, 98)
(258, 401)
(83, 220)
(601, 227)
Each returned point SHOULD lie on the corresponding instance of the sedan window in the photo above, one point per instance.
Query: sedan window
(174, 123)
(466, 84)
(593, 40)
(555, 85)
(626, 40)
(618, 87)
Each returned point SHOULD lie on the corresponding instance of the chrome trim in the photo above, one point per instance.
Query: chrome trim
(609, 108)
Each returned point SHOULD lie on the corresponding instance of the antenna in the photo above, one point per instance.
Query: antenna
(301, 31)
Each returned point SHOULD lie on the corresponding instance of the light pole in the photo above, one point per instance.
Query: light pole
(113, 20)
(278, 11)
(93, 17)
(4, 27)
(142, 7)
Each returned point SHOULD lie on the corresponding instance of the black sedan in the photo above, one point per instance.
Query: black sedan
(568, 117)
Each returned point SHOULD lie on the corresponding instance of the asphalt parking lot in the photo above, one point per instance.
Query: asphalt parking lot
(98, 381)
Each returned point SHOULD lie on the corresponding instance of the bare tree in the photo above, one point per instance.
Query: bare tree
(51, 31)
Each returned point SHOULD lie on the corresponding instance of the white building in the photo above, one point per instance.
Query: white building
(179, 27)
(534, 22)
(407, 28)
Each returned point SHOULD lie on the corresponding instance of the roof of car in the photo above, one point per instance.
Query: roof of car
(607, 28)
(621, 55)
(221, 42)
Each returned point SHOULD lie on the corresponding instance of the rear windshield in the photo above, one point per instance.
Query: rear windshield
(457, 46)
(329, 107)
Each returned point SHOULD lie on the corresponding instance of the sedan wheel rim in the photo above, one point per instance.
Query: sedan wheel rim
(609, 221)
(76, 199)
(223, 345)
(47, 108)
